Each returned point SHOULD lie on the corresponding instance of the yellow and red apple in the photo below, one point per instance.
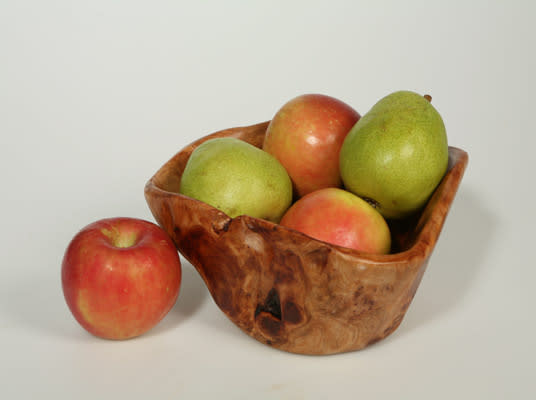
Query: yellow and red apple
(306, 135)
(339, 217)
(120, 277)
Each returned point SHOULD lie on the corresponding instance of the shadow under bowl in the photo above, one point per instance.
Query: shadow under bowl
(288, 290)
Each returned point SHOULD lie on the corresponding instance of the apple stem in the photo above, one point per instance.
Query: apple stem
(428, 97)
(372, 202)
(119, 239)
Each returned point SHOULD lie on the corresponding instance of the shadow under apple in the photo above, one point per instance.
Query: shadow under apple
(193, 293)
(38, 305)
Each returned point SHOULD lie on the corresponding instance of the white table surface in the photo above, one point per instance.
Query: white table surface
(96, 96)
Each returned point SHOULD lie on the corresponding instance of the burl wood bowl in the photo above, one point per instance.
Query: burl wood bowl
(286, 289)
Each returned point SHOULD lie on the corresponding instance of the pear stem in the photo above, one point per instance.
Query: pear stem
(428, 97)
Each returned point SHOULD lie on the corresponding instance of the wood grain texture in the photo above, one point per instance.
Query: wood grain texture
(286, 289)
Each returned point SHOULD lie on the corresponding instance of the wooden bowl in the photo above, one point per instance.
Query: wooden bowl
(286, 289)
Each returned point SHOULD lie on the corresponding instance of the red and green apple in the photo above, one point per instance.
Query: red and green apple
(339, 217)
(306, 135)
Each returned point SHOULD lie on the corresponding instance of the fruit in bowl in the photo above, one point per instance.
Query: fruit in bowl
(237, 178)
(396, 155)
(339, 217)
(306, 135)
(287, 289)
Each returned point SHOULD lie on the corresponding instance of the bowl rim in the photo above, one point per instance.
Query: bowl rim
(423, 244)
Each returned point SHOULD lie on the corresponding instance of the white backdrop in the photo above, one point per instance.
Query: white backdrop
(96, 96)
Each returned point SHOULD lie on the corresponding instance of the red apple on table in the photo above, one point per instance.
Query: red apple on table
(120, 277)
(306, 136)
(339, 217)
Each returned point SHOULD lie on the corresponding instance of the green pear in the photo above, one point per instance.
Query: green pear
(238, 179)
(396, 154)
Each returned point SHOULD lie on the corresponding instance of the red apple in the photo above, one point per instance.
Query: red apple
(306, 136)
(339, 217)
(120, 277)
